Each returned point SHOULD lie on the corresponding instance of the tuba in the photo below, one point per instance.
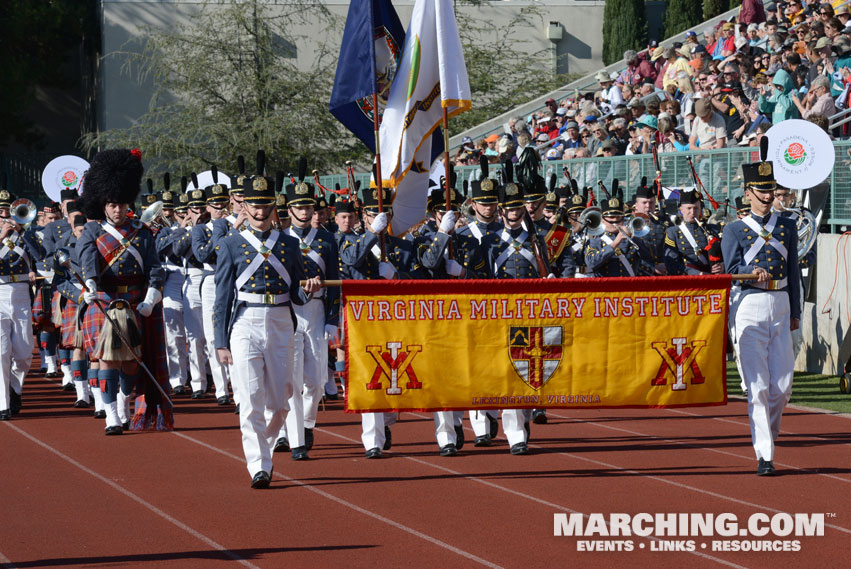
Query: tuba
(807, 230)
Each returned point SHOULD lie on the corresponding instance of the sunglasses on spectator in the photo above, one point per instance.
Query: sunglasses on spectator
(586, 134)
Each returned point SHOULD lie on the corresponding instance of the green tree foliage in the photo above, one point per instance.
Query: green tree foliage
(624, 27)
(712, 8)
(681, 15)
(502, 72)
(229, 84)
(36, 39)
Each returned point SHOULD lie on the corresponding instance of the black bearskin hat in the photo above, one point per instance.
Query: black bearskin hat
(114, 175)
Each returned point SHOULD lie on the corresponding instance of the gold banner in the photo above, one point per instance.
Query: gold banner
(556, 343)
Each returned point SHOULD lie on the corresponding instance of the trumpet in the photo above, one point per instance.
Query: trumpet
(637, 227)
(23, 212)
(153, 215)
(592, 220)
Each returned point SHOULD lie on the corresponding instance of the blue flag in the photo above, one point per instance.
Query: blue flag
(370, 54)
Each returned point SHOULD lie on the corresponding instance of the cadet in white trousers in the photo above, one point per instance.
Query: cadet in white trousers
(204, 249)
(765, 244)
(257, 278)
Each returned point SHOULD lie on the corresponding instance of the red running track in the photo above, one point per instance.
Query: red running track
(74, 498)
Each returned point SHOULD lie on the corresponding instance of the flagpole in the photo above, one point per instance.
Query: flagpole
(378, 181)
(447, 177)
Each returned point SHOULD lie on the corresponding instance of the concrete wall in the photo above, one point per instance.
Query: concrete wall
(122, 98)
(825, 319)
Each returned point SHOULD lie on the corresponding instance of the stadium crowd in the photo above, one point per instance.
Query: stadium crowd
(726, 87)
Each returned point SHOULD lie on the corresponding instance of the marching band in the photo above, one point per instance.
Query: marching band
(224, 284)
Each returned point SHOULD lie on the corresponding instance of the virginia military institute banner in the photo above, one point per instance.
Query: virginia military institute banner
(556, 343)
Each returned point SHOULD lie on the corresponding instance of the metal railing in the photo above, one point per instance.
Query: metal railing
(719, 170)
(23, 175)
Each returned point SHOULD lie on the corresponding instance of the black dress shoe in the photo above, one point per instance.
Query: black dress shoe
(236, 411)
(69, 387)
(198, 394)
(539, 416)
(765, 468)
(42, 369)
(308, 438)
(80, 404)
(493, 424)
(282, 445)
(331, 396)
(14, 402)
(5, 415)
(373, 453)
(125, 425)
(519, 448)
(388, 438)
(113, 430)
(261, 480)
(483, 441)
(100, 414)
(223, 400)
(459, 437)
(300, 453)
(179, 390)
(53, 374)
(449, 450)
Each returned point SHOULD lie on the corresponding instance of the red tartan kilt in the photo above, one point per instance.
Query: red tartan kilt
(39, 318)
(152, 328)
(69, 316)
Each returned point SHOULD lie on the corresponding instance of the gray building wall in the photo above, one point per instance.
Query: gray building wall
(121, 98)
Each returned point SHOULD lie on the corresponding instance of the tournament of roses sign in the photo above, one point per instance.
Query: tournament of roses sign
(802, 154)
(557, 343)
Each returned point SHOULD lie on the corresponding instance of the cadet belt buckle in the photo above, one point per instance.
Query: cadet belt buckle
(269, 298)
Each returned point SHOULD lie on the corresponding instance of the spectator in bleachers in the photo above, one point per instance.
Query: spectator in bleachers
(661, 64)
(672, 139)
(818, 100)
(708, 131)
(843, 15)
(610, 94)
(676, 62)
(794, 12)
(638, 69)
(726, 44)
(776, 100)
(619, 135)
(571, 138)
(598, 136)
(833, 27)
(826, 12)
(751, 13)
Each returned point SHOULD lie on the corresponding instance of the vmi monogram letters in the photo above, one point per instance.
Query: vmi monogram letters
(677, 360)
(393, 363)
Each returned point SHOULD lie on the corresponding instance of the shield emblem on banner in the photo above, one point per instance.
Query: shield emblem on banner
(535, 352)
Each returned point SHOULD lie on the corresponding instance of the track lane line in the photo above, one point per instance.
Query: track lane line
(136, 498)
(342, 502)
(695, 446)
(635, 472)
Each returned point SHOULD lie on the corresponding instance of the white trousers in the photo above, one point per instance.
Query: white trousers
(261, 344)
(735, 297)
(175, 332)
(373, 428)
(221, 373)
(513, 425)
(765, 343)
(16, 339)
(193, 324)
(480, 423)
(444, 428)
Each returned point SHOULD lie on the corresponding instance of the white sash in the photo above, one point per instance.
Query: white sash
(209, 266)
(259, 258)
(760, 242)
(477, 233)
(308, 239)
(608, 241)
(128, 246)
(693, 242)
(13, 240)
(376, 250)
(521, 239)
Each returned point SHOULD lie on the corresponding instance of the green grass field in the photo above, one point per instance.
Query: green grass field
(809, 390)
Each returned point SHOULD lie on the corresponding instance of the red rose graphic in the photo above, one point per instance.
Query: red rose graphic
(69, 179)
(796, 151)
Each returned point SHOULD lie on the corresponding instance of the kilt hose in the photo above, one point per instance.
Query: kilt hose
(152, 330)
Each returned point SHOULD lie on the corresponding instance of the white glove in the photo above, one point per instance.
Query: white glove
(330, 332)
(379, 224)
(146, 307)
(453, 267)
(386, 270)
(90, 292)
(447, 224)
(551, 276)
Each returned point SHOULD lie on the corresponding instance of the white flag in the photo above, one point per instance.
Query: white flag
(432, 75)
